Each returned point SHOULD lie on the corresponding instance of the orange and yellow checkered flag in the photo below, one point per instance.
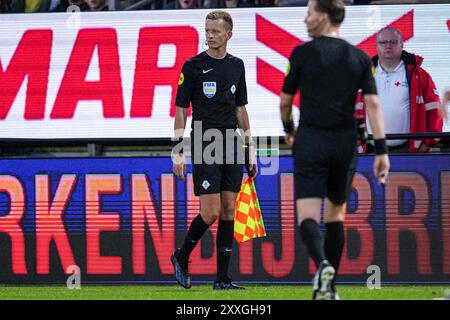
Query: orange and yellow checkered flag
(248, 220)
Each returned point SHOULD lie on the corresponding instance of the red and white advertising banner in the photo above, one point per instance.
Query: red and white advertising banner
(115, 74)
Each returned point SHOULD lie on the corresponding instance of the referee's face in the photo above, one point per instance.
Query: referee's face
(217, 34)
(314, 20)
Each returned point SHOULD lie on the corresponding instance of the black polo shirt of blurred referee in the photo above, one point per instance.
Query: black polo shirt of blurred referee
(328, 71)
(214, 82)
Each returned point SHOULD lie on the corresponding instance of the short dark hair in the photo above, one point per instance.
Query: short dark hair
(220, 14)
(334, 8)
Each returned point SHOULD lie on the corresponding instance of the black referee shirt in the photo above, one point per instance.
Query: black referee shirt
(215, 87)
(329, 72)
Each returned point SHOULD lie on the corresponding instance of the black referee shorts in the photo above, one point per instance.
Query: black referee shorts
(325, 162)
(218, 169)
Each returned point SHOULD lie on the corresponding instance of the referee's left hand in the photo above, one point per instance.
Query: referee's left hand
(252, 170)
(381, 167)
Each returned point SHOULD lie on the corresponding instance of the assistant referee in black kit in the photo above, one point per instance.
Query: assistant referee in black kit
(328, 71)
(214, 82)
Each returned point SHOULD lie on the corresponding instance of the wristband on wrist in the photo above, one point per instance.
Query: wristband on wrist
(380, 146)
(288, 126)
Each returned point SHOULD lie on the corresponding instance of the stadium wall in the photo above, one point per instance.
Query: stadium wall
(118, 220)
(114, 74)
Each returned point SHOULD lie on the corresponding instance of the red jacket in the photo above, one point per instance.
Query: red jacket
(424, 99)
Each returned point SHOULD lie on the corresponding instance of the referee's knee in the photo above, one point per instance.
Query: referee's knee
(334, 212)
(334, 218)
(210, 216)
(227, 213)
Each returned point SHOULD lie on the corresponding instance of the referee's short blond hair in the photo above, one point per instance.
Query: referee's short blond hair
(220, 14)
(335, 9)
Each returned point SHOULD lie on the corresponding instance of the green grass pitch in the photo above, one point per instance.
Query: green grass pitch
(205, 292)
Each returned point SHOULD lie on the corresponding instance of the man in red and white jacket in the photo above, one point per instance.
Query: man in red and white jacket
(408, 96)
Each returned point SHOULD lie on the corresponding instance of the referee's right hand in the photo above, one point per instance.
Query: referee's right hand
(290, 138)
(179, 165)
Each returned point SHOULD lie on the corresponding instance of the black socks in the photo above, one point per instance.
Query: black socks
(224, 243)
(196, 231)
(334, 243)
(311, 236)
